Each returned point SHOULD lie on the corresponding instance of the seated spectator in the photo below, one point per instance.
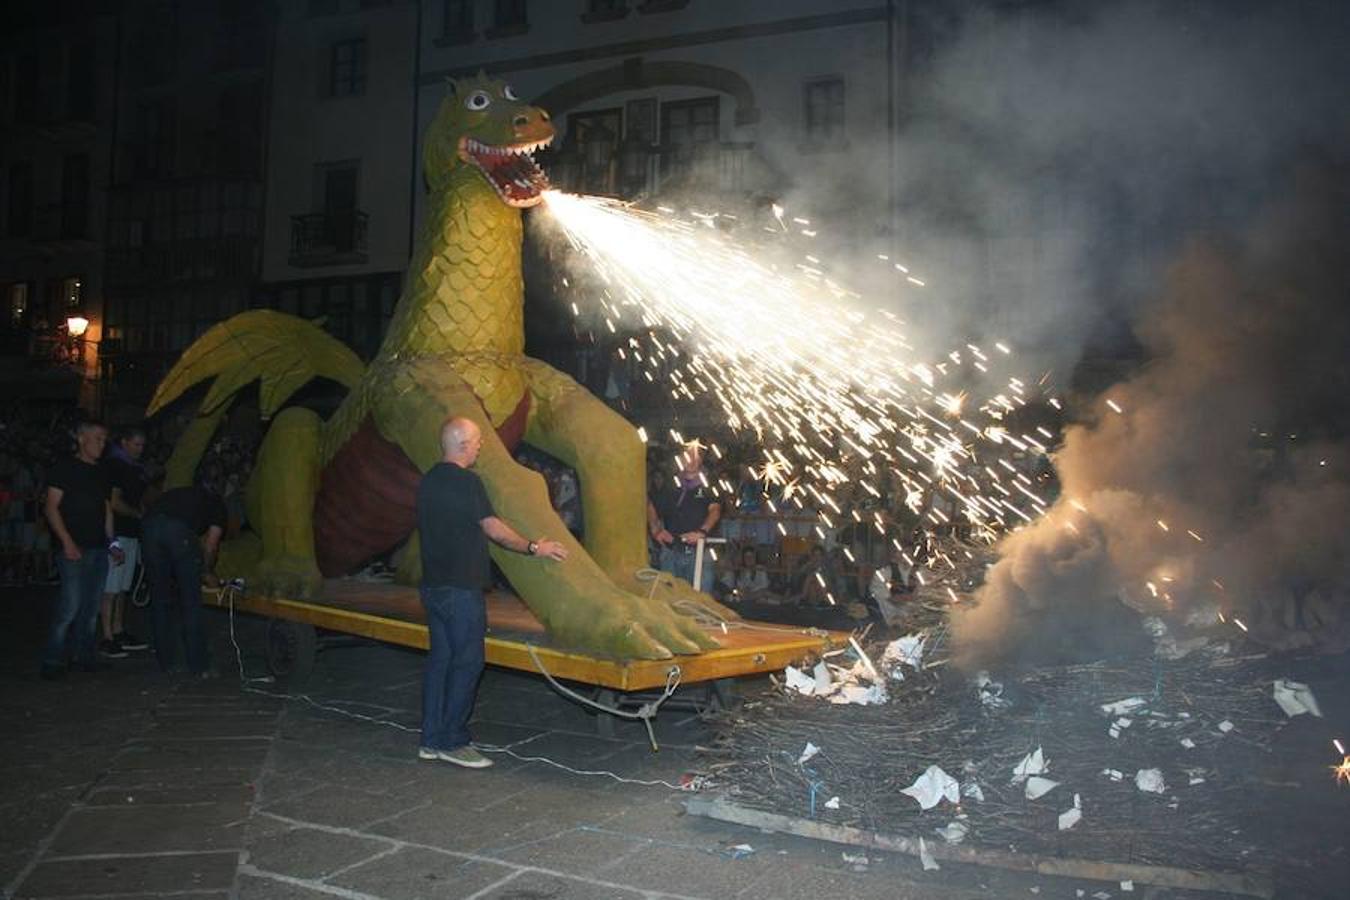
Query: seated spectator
(748, 582)
(812, 581)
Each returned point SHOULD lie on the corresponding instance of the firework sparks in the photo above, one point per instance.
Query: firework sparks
(815, 380)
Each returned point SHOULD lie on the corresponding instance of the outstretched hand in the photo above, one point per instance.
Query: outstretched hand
(550, 549)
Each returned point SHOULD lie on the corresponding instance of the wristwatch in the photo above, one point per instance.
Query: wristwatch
(531, 548)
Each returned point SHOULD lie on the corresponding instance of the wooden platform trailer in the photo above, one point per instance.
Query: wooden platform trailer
(516, 640)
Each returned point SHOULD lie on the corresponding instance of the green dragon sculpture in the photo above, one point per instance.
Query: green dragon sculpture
(327, 496)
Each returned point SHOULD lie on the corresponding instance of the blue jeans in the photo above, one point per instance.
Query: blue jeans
(172, 557)
(457, 621)
(680, 563)
(76, 608)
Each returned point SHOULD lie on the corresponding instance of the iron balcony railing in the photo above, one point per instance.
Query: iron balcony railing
(328, 238)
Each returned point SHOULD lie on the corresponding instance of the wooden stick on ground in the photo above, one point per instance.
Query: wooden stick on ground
(1164, 876)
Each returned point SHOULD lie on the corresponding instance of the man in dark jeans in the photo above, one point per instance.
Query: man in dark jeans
(455, 521)
(180, 536)
(82, 522)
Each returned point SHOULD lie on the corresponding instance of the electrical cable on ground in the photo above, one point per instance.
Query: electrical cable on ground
(232, 589)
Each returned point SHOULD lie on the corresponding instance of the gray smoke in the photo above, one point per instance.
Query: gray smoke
(1053, 157)
(1236, 429)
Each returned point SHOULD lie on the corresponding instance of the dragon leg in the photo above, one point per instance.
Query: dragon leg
(280, 504)
(575, 600)
(611, 463)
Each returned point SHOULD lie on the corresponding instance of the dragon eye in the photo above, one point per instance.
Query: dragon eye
(509, 92)
(478, 100)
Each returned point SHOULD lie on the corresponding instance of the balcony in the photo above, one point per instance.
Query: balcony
(328, 239)
(633, 168)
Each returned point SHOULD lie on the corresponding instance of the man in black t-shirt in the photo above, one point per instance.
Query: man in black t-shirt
(681, 514)
(126, 478)
(455, 521)
(81, 520)
(180, 537)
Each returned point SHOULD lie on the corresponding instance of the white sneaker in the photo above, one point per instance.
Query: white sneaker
(465, 756)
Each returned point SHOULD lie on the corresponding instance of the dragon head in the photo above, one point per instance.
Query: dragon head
(483, 130)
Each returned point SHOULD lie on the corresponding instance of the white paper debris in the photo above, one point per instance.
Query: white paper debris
(1113, 774)
(1295, 698)
(932, 787)
(1127, 886)
(1102, 895)
(1070, 817)
(1225, 726)
(972, 790)
(990, 691)
(1150, 780)
(864, 696)
(1188, 743)
(823, 681)
(929, 864)
(1038, 786)
(907, 651)
(1196, 779)
(1032, 764)
(1124, 707)
(832, 803)
(799, 681)
(739, 850)
(857, 860)
(809, 751)
(954, 832)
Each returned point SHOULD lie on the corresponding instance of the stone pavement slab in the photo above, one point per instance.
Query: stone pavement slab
(414, 873)
(112, 830)
(310, 853)
(132, 874)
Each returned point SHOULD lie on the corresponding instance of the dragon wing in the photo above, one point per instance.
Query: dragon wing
(284, 351)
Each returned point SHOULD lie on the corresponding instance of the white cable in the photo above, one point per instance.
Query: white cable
(672, 682)
(644, 712)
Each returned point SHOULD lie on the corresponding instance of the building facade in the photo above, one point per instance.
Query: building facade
(184, 223)
(340, 164)
(730, 99)
(57, 97)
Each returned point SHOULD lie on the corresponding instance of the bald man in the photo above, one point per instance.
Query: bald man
(455, 521)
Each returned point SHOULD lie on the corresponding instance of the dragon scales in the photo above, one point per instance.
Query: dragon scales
(325, 497)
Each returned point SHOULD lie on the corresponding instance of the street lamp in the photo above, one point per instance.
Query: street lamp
(76, 326)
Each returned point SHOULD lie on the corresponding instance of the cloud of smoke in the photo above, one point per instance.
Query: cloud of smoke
(1225, 480)
(1052, 157)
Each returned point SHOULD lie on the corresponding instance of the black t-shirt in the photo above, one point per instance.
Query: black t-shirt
(84, 497)
(683, 509)
(451, 504)
(197, 507)
(131, 481)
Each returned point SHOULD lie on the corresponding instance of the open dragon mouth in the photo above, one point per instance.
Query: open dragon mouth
(509, 168)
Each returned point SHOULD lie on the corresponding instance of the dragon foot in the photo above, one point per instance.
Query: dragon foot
(286, 576)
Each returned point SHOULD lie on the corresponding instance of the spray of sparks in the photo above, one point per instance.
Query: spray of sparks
(791, 356)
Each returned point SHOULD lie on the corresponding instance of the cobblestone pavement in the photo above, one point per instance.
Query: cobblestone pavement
(130, 783)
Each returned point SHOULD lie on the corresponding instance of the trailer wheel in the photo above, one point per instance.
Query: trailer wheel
(291, 648)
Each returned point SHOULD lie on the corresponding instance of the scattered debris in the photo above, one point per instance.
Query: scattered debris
(809, 751)
(1070, 817)
(1295, 698)
(1150, 781)
(929, 864)
(932, 787)
(1038, 787)
(953, 832)
(1032, 764)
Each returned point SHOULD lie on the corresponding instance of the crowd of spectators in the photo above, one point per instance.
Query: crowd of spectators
(31, 440)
